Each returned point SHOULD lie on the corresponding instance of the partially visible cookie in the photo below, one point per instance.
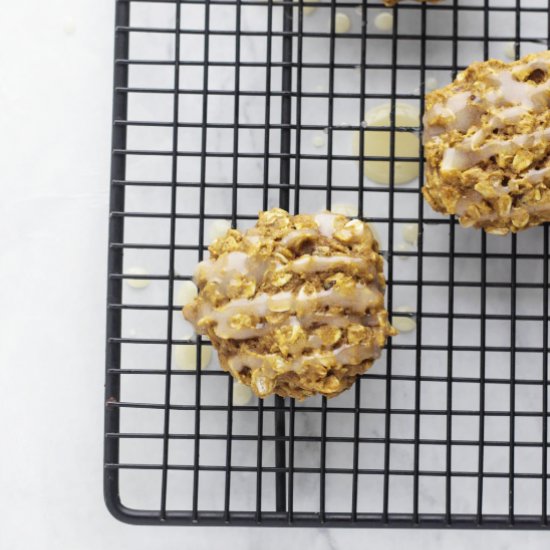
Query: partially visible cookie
(487, 145)
(295, 305)
(390, 3)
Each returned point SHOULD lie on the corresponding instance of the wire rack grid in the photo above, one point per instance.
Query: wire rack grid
(223, 108)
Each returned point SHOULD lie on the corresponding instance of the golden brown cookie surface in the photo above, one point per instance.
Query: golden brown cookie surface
(487, 145)
(295, 305)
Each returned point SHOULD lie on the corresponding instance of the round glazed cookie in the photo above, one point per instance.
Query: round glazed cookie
(487, 141)
(295, 305)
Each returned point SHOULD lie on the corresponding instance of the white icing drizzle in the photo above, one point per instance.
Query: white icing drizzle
(455, 160)
(343, 355)
(355, 354)
(235, 261)
(536, 176)
(356, 300)
(325, 221)
(305, 322)
(315, 264)
(297, 235)
(456, 113)
(222, 316)
(223, 269)
(464, 156)
(253, 362)
(510, 90)
(332, 320)
(510, 115)
(464, 113)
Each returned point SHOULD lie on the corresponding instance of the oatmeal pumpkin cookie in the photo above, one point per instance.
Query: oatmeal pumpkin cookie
(487, 145)
(295, 305)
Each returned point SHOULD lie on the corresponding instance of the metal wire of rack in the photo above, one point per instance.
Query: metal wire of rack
(450, 428)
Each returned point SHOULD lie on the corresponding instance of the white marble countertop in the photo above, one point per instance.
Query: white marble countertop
(55, 108)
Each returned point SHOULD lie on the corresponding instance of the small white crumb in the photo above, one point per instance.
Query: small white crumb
(358, 10)
(137, 283)
(410, 233)
(348, 210)
(364, 124)
(384, 21)
(342, 23)
(308, 10)
(510, 50)
(241, 394)
(403, 247)
(217, 229)
(318, 141)
(185, 356)
(69, 26)
(430, 84)
(403, 323)
(186, 293)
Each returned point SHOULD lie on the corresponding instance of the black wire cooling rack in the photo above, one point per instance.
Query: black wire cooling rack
(215, 106)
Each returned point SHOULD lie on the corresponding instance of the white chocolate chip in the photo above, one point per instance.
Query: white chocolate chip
(241, 394)
(185, 356)
(137, 283)
(403, 323)
(410, 233)
(319, 141)
(186, 293)
(348, 210)
(342, 23)
(217, 229)
(510, 50)
(384, 21)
